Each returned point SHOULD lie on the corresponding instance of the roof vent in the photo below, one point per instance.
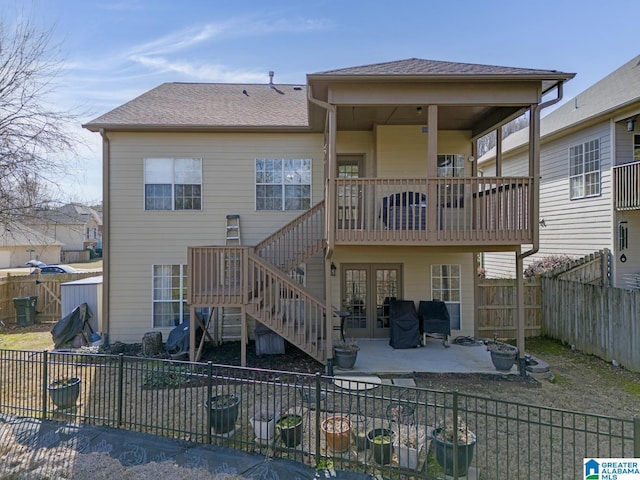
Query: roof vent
(271, 77)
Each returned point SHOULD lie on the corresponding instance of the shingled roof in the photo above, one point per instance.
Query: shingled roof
(209, 106)
(418, 66)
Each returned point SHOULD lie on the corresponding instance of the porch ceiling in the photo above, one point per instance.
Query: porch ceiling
(449, 117)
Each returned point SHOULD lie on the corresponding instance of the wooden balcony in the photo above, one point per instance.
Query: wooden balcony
(466, 211)
(626, 186)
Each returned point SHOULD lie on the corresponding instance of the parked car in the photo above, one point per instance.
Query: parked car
(36, 263)
(53, 269)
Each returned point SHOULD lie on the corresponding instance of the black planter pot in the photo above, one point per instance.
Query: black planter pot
(379, 445)
(344, 358)
(290, 427)
(223, 410)
(444, 454)
(64, 393)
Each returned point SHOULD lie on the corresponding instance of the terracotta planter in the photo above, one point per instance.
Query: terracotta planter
(337, 431)
(64, 393)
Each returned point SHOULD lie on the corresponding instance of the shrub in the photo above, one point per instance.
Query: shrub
(546, 264)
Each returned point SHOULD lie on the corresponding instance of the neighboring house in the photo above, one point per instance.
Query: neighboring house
(77, 226)
(589, 177)
(19, 244)
(351, 190)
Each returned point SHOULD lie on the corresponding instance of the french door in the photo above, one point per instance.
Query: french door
(349, 197)
(366, 292)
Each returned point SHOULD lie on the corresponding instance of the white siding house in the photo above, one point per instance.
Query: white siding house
(581, 143)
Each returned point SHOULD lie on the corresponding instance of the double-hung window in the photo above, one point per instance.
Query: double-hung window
(169, 295)
(172, 183)
(446, 286)
(283, 184)
(584, 169)
(636, 148)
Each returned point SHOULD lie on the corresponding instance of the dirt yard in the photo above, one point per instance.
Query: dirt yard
(581, 382)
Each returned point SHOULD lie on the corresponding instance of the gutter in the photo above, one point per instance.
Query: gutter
(536, 173)
(106, 277)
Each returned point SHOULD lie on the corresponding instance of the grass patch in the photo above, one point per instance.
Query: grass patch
(545, 346)
(16, 340)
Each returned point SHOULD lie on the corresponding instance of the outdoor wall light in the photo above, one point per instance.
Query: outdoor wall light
(419, 110)
(333, 269)
(631, 124)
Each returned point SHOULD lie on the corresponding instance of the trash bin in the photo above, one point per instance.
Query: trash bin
(25, 310)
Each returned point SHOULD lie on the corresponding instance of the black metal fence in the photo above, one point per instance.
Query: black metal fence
(330, 422)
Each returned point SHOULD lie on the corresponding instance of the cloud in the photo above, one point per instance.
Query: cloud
(202, 72)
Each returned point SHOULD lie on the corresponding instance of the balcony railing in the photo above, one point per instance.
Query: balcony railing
(434, 211)
(626, 186)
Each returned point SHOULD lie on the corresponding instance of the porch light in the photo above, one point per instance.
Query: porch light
(631, 123)
(333, 269)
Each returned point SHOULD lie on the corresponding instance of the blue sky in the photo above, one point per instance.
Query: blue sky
(114, 50)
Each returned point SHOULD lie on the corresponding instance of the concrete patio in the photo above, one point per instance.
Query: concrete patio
(377, 357)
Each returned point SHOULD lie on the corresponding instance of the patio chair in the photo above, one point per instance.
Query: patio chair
(434, 320)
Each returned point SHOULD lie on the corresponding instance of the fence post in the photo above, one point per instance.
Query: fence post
(455, 435)
(636, 437)
(317, 393)
(120, 387)
(45, 375)
(208, 400)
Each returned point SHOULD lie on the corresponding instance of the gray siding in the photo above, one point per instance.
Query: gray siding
(571, 227)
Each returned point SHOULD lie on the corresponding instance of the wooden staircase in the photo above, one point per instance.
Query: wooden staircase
(295, 242)
(257, 280)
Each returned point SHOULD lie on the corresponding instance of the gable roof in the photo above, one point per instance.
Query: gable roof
(617, 90)
(20, 235)
(210, 106)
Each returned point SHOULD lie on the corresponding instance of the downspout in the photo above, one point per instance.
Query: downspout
(330, 195)
(106, 277)
(534, 172)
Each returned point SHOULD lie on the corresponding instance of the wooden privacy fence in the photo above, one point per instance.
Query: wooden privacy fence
(598, 320)
(496, 304)
(45, 287)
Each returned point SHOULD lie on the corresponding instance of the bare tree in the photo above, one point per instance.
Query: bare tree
(487, 142)
(34, 134)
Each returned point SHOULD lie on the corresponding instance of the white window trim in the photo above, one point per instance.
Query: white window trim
(173, 184)
(448, 302)
(183, 300)
(282, 184)
(583, 175)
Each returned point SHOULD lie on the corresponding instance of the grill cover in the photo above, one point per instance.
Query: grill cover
(405, 324)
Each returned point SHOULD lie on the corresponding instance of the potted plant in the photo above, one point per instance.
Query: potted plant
(380, 443)
(503, 355)
(290, 426)
(64, 392)
(337, 431)
(224, 412)
(408, 444)
(345, 354)
(443, 441)
(264, 422)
